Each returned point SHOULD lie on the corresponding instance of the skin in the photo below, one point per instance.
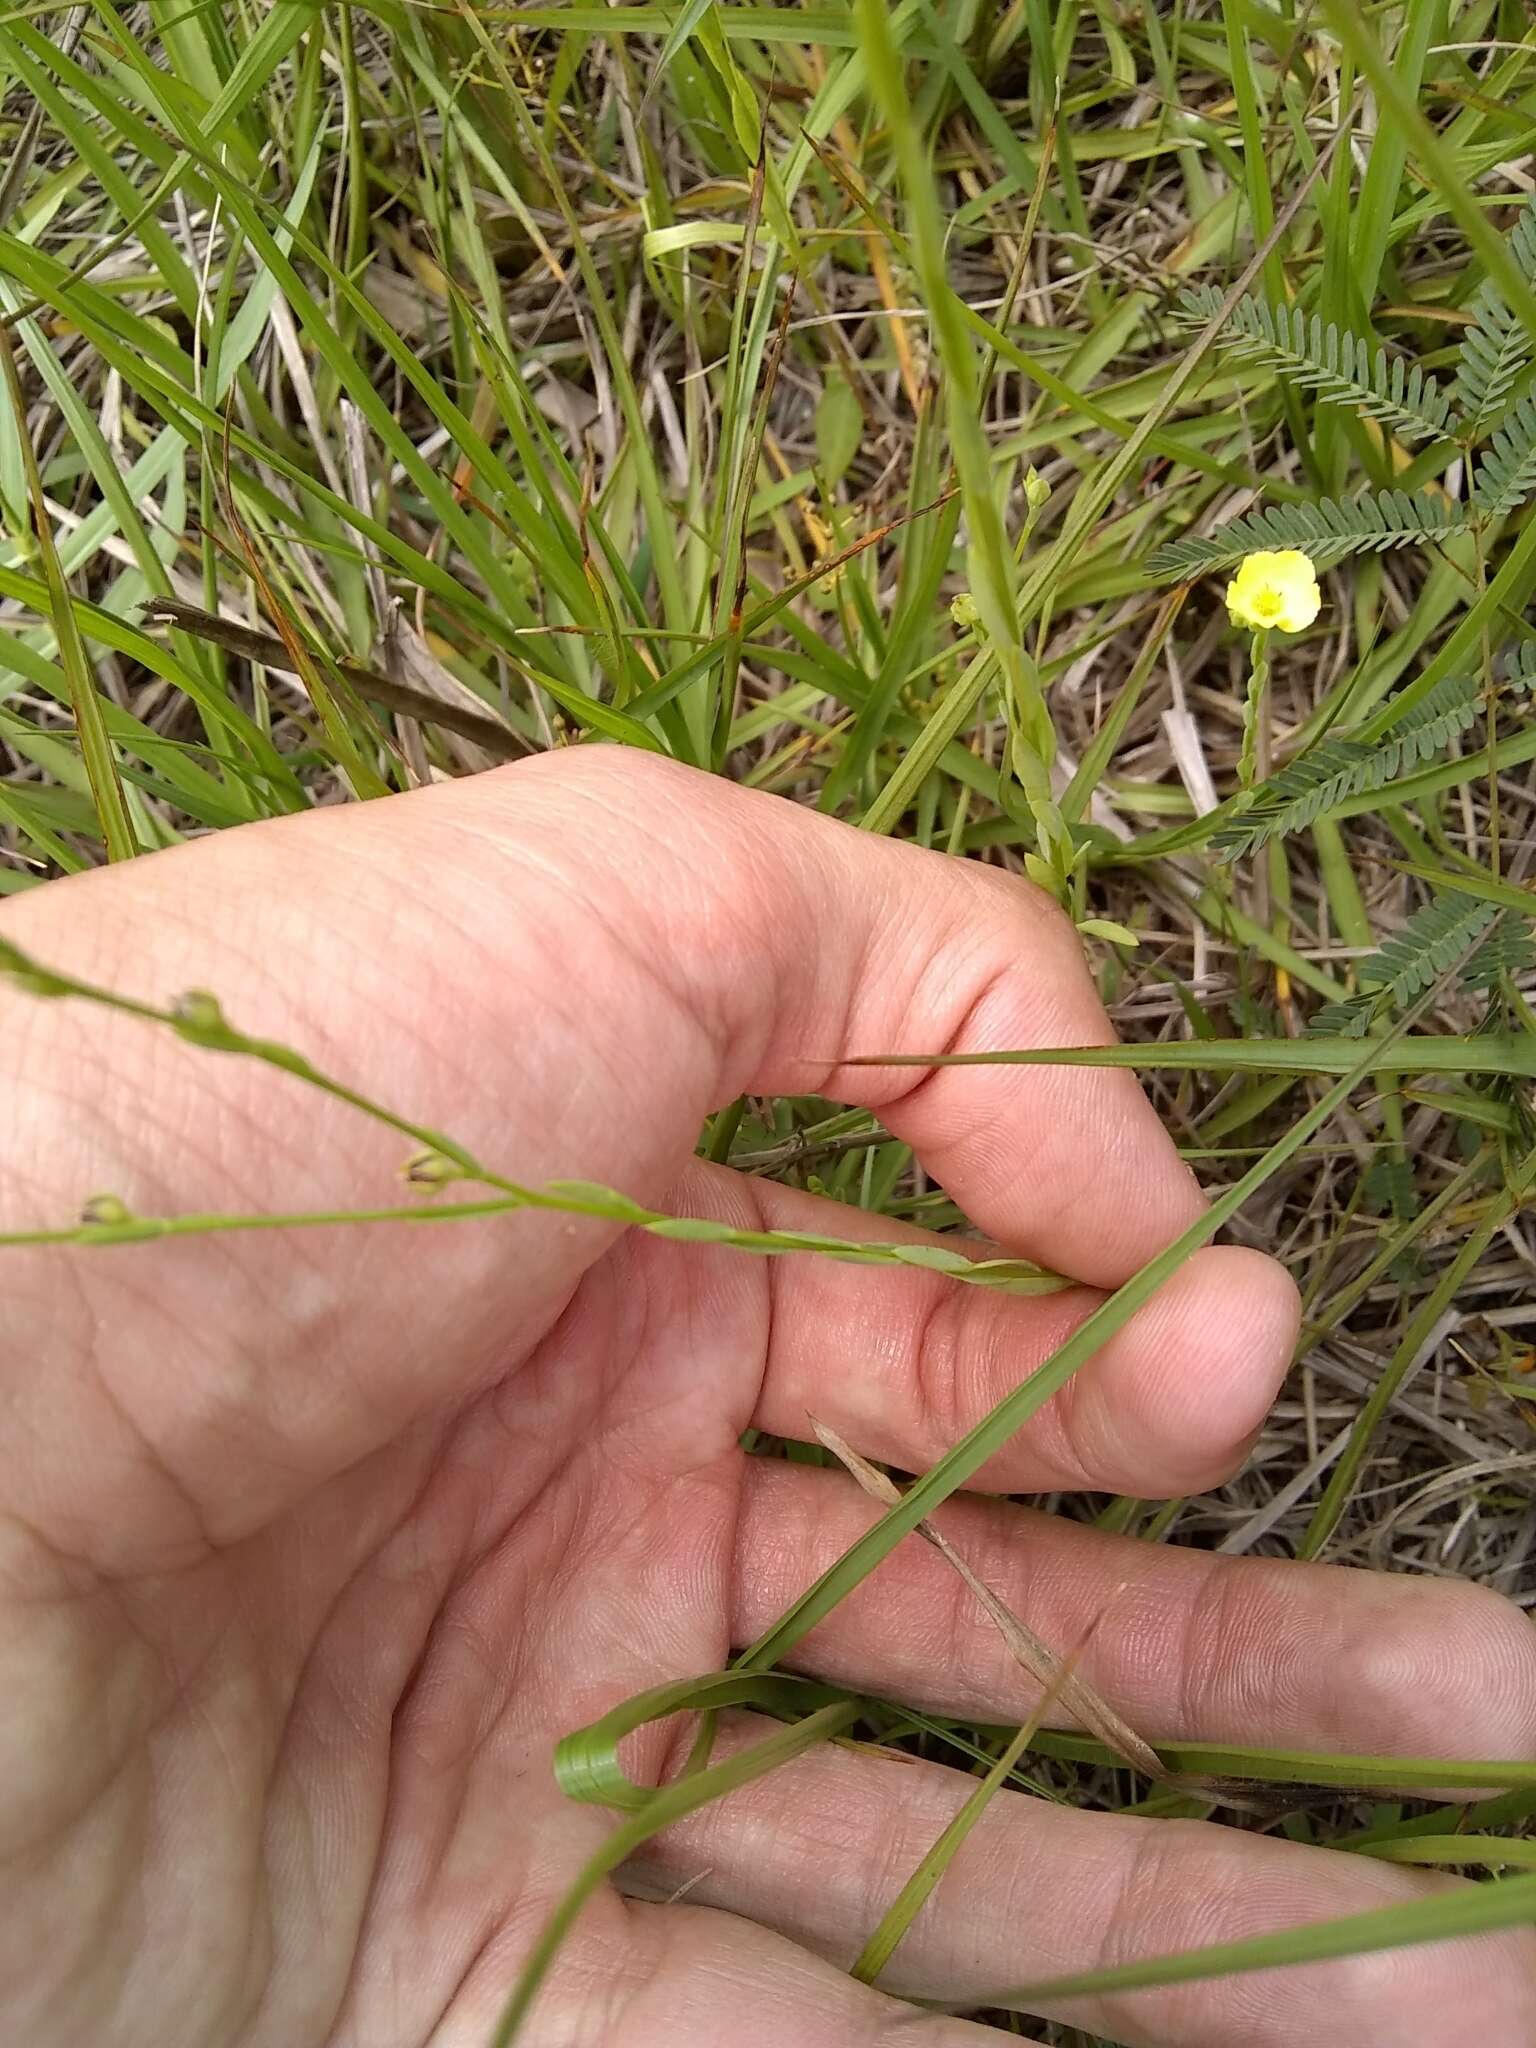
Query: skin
(312, 1543)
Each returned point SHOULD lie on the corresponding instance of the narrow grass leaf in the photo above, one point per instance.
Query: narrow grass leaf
(90, 726)
(1445, 1916)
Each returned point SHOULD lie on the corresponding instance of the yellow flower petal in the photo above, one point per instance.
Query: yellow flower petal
(1275, 589)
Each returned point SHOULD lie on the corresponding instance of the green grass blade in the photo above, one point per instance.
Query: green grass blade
(1343, 1479)
(919, 1887)
(1443, 1917)
(117, 830)
(1496, 1053)
(668, 1806)
(990, 555)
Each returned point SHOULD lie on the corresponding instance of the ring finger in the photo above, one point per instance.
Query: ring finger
(1038, 1890)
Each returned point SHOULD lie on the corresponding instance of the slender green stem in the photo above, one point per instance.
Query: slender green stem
(1253, 709)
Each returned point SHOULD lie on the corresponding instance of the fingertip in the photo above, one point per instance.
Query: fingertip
(1258, 1291)
(1206, 1359)
(1231, 1329)
(1434, 1667)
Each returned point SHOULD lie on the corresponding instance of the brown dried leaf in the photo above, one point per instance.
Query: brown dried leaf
(1054, 1673)
(1037, 1657)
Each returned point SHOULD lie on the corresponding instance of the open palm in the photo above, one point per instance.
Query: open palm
(313, 1542)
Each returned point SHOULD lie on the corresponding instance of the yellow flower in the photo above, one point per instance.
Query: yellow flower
(1275, 589)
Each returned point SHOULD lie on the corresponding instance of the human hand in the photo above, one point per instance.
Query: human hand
(313, 1542)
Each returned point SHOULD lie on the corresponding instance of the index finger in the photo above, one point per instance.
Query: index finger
(873, 946)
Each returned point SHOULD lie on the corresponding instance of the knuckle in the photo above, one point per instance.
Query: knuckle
(940, 1348)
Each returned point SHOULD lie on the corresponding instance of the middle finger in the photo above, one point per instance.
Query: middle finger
(1187, 1645)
